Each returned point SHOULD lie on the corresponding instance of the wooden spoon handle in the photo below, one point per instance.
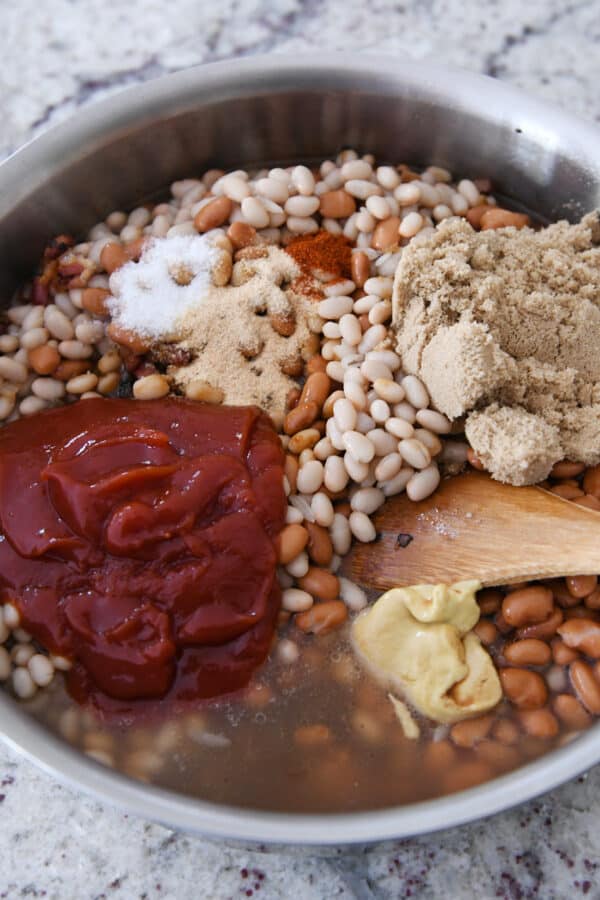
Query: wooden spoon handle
(473, 527)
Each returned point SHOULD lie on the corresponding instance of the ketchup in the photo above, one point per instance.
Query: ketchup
(139, 540)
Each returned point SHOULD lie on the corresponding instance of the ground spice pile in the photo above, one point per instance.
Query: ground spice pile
(322, 257)
(503, 327)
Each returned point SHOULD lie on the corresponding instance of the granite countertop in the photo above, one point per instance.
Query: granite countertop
(58, 56)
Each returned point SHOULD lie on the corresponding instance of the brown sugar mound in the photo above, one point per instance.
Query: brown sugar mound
(503, 327)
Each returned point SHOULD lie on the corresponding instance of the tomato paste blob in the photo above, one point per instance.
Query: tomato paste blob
(139, 540)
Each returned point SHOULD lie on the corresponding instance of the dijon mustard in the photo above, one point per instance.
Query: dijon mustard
(419, 641)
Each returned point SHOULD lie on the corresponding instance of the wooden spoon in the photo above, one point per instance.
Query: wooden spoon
(474, 527)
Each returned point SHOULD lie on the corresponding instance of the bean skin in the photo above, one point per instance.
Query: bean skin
(561, 654)
(529, 652)
(489, 601)
(528, 606)
(301, 417)
(525, 689)
(486, 632)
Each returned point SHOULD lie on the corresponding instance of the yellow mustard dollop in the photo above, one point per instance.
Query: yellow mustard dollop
(419, 641)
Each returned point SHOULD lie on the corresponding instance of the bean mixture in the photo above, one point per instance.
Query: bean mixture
(317, 733)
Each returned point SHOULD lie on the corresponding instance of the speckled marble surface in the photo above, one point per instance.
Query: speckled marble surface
(58, 56)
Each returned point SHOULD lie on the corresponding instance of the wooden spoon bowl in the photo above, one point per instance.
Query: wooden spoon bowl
(475, 528)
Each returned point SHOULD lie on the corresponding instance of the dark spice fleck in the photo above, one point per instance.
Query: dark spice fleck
(403, 540)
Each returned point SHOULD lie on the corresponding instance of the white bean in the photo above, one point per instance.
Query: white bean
(298, 567)
(378, 207)
(396, 485)
(303, 180)
(345, 414)
(323, 449)
(364, 423)
(361, 527)
(58, 324)
(337, 288)
(411, 225)
(32, 405)
(12, 616)
(388, 177)
(380, 411)
(407, 194)
(301, 225)
(356, 168)
(388, 467)
(380, 313)
(350, 329)
(415, 453)
(35, 337)
(48, 388)
(399, 427)
(234, 187)
(41, 669)
(331, 330)
(434, 421)
(416, 392)
(367, 500)
(335, 307)
(373, 370)
(365, 304)
(469, 191)
(361, 189)
(295, 600)
(383, 442)
(341, 536)
(254, 212)
(359, 446)
(22, 653)
(293, 516)
(387, 357)
(389, 390)
(23, 684)
(302, 206)
(8, 343)
(273, 188)
(405, 411)
(335, 370)
(335, 435)
(287, 651)
(12, 370)
(310, 477)
(75, 349)
(431, 440)
(302, 504)
(322, 508)
(336, 474)
(372, 337)
(423, 483)
(353, 596)
(382, 286)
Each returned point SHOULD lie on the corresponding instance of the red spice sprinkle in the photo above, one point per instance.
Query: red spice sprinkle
(330, 253)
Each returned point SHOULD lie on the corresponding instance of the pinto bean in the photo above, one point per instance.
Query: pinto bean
(580, 586)
(320, 583)
(529, 652)
(540, 723)
(543, 630)
(570, 712)
(561, 654)
(320, 548)
(316, 389)
(527, 606)
(496, 217)
(582, 634)
(585, 685)
(322, 617)
(470, 731)
(489, 601)
(486, 632)
(301, 417)
(525, 689)
(292, 541)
